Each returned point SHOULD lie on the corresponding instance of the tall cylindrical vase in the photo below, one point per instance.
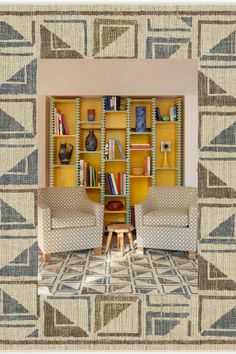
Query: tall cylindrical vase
(140, 119)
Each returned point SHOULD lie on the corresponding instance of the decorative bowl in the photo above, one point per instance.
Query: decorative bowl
(138, 171)
(115, 205)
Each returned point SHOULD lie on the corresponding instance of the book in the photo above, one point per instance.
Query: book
(118, 144)
(147, 166)
(112, 189)
(81, 172)
(108, 187)
(114, 184)
(65, 125)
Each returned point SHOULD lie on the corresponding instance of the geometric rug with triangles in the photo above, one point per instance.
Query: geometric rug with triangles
(82, 272)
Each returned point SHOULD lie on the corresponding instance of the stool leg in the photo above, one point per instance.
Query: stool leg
(47, 257)
(131, 241)
(108, 241)
(117, 242)
(122, 248)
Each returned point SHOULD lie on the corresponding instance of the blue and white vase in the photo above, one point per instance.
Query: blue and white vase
(140, 119)
(91, 142)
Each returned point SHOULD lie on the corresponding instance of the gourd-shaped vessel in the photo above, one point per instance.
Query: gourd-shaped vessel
(91, 142)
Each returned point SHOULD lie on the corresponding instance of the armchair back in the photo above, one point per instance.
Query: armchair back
(173, 196)
(62, 197)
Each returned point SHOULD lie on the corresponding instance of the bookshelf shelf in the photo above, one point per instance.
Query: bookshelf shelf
(115, 212)
(124, 111)
(92, 167)
(140, 149)
(143, 176)
(115, 195)
(167, 122)
(116, 160)
(64, 166)
(65, 136)
(141, 133)
(166, 168)
(89, 152)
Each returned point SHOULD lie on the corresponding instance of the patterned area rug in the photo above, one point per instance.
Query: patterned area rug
(155, 272)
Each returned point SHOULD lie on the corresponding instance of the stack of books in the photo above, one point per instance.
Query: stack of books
(110, 149)
(141, 146)
(113, 188)
(89, 176)
(147, 166)
(60, 126)
(173, 113)
(112, 103)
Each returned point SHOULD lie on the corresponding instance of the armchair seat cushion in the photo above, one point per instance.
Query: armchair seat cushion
(71, 218)
(167, 217)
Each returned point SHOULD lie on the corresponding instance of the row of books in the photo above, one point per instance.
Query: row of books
(110, 149)
(112, 103)
(60, 124)
(89, 176)
(114, 188)
(141, 146)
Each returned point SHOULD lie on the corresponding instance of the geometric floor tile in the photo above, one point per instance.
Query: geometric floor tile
(82, 272)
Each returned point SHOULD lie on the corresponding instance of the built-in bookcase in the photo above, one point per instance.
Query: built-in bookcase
(118, 125)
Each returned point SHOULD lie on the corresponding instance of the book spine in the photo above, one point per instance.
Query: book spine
(114, 184)
(81, 168)
(63, 124)
(67, 131)
(119, 183)
(118, 144)
(90, 176)
(113, 149)
(111, 185)
(124, 183)
(85, 174)
(55, 121)
(99, 179)
(108, 190)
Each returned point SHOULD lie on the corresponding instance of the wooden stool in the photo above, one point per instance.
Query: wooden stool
(120, 229)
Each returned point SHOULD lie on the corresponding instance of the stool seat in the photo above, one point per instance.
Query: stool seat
(120, 229)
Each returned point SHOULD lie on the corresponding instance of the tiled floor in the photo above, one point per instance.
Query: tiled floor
(81, 272)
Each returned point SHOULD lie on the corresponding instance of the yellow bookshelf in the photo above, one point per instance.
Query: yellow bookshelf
(117, 125)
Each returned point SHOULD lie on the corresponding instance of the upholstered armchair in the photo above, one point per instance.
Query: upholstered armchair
(167, 219)
(68, 220)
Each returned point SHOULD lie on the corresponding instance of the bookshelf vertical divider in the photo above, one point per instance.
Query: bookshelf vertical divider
(153, 157)
(77, 142)
(103, 143)
(52, 145)
(179, 140)
(128, 141)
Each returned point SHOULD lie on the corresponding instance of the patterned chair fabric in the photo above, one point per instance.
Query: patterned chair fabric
(167, 219)
(68, 220)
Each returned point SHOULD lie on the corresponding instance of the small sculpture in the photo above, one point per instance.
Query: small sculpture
(65, 155)
(91, 115)
(165, 147)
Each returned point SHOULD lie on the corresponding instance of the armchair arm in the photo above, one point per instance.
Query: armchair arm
(44, 215)
(193, 214)
(91, 207)
(143, 208)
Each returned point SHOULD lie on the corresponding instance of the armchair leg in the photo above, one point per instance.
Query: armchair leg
(192, 255)
(47, 257)
(97, 251)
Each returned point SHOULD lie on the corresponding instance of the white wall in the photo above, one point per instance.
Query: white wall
(131, 77)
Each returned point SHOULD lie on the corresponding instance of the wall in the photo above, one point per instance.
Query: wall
(134, 77)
